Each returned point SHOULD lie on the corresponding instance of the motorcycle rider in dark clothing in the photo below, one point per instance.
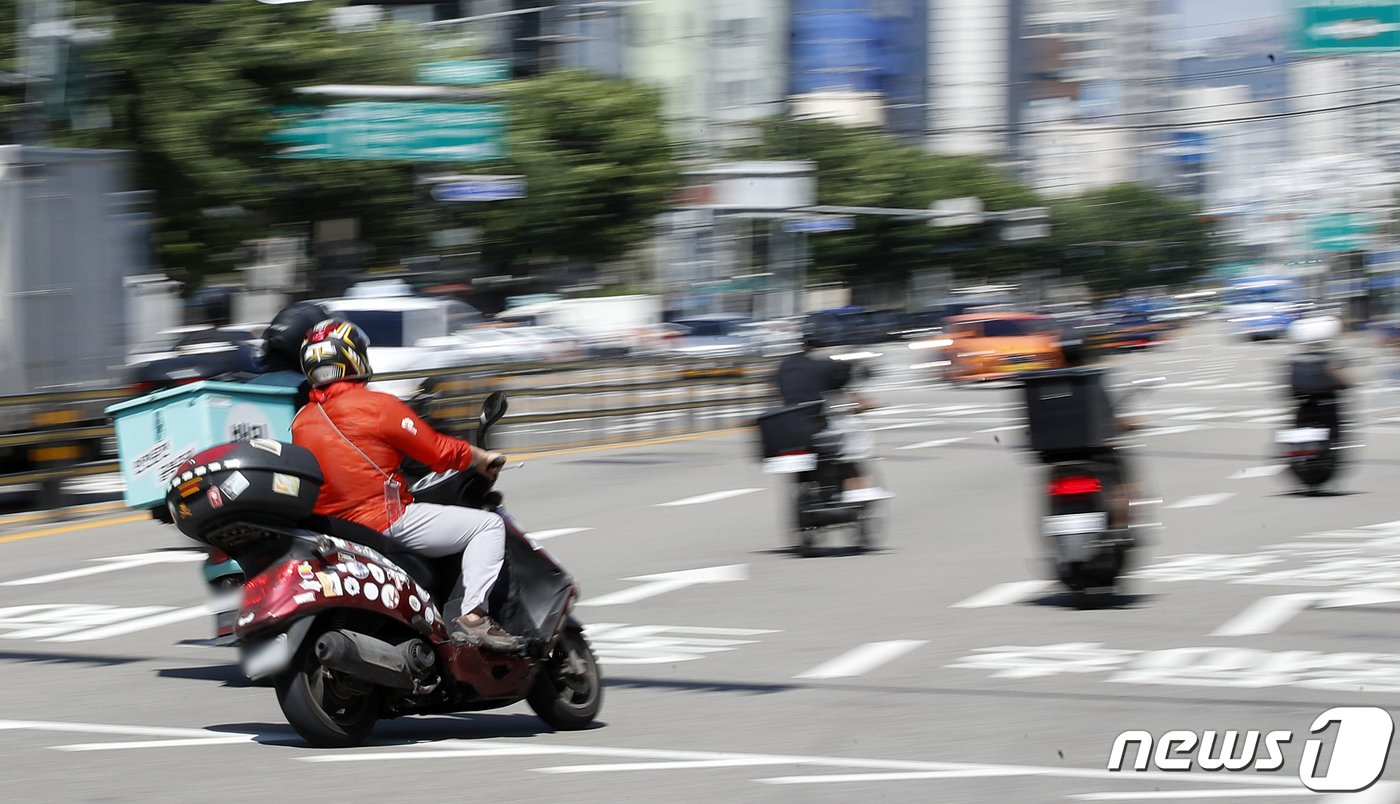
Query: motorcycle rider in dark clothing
(1316, 377)
(803, 378)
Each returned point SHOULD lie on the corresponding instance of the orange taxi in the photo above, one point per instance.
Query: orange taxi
(997, 345)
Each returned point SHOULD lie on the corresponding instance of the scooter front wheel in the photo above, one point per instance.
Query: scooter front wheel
(327, 710)
(568, 691)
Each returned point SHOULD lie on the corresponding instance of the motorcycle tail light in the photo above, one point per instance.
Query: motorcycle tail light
(1074, 486)
(256, 589)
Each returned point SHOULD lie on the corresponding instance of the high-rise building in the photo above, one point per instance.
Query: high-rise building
(862, 62)
(977, 75)
(1097, 90)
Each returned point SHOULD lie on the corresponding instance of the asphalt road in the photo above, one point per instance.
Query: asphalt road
(942, 667)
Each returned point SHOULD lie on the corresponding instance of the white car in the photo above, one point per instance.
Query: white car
(406, 333)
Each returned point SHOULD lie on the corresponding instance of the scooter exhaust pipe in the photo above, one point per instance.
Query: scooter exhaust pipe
(374, 660)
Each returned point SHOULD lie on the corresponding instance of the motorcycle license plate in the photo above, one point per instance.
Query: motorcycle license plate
(1303, 435)
(269, 658)
(790, 464)
(1067, 524)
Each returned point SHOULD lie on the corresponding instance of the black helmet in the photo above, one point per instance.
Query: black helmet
(335, 350)
(1075, 348)
(282, 338)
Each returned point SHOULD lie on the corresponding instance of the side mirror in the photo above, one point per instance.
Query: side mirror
(492, 410)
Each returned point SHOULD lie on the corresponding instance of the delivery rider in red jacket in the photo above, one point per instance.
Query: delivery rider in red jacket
(360, 437)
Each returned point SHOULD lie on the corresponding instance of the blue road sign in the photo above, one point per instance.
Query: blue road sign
(815, 225)
(480, 190)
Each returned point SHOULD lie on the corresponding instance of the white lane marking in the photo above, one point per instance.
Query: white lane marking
(941, 442)
(1268, 614)
(541, 535)
(142, 624)
(863, 659)
(1003, 594)
(713, 496)
(661, 583)
(667, 759)
(40, 621)
(102, 728)
(1379, 793)
(1203, 500)
(111, 564)
(904, 426)
(182, 743)
(1173, 795)
(905, 776)
(1161, 431)
(680, 764)
(1258, 471)
(1003, 429)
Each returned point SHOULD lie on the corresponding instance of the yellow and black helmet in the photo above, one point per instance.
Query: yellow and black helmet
(335, 350)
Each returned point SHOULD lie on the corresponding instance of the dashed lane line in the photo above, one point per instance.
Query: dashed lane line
(1003, 594)
(941, 442)
(1203, 500)
(863, 659)
(714, 496)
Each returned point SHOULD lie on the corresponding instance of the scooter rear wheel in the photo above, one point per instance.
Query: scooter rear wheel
(325, 709)
(568, 691)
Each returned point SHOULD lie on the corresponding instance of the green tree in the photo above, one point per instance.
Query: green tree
(865, 167)
(192, 90)
(1130, 236)
(598, 168)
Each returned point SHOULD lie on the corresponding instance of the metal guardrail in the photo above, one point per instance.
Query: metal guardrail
(70, 430)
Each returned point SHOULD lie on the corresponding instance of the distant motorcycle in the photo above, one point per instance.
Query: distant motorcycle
(1309, 448)
(352, 629)
(796, 441)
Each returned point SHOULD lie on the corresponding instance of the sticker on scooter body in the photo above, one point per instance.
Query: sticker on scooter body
(1069, 524)
(790, 464)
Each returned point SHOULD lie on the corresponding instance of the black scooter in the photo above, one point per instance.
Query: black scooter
(1310, 449)
(797, 442)
(1088, 550)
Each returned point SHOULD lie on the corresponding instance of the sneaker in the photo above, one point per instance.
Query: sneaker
(865, 495)
(485, 633)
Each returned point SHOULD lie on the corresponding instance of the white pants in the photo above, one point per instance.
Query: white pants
(440, 530)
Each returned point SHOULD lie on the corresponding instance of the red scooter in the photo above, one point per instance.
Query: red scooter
(352, 629)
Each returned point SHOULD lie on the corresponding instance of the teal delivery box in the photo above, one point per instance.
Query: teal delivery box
(157, 433)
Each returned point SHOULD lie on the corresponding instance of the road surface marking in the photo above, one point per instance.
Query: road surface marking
(1258, 471)
(102, 728)
(1203, 500)
(1003, 594)
(620, 643)
(181, 743)
(1174, 795)
(541, 535)
(41, 621)
(903, 776)
(1162, 431)
(112, 564)
(1268, 614)
(680, 764)
(713, 496)
(142, 624)
(904, 426)
(661, 583)
(941, 442)
(863, 659)
(1003, 429)
(77, 526)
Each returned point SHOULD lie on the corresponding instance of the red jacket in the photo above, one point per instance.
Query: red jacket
(386, 431)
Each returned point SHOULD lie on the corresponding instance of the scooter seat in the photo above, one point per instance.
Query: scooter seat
(437, 575)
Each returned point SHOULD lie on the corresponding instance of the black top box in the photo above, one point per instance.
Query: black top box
(1068, 410)
(258, 481)
(789, 430)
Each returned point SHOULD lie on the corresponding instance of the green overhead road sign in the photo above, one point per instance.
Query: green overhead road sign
(1339, 232)
(484, 71)
(395, 131)
(1347, 26)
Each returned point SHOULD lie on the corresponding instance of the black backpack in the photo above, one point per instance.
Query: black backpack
(1308, 374)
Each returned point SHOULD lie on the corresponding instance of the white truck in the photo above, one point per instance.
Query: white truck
(71, 235)
(623, 323)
